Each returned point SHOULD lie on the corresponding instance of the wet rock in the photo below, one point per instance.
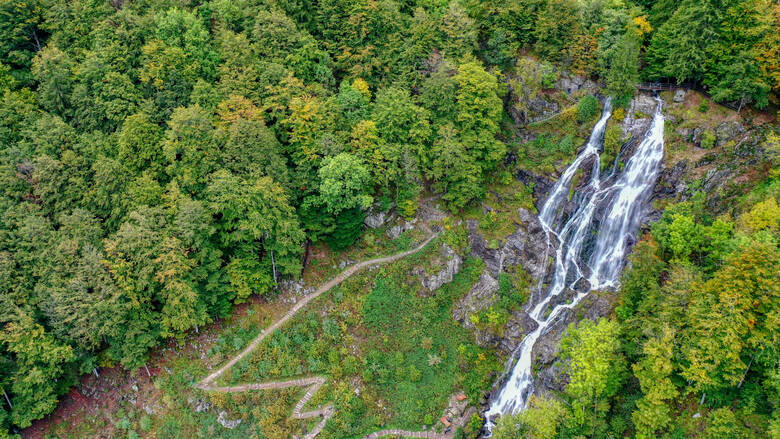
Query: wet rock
(551, 378)
(671, 182)
(679, 95)
(728, 131)
(481, 296)
(542, 185)
(452, 264)
(545, 351)
(518, 326)
(227, 423)
(639, 115)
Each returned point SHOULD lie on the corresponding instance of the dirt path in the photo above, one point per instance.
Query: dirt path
(313, 383)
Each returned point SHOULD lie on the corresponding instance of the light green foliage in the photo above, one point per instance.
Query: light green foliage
(654, 373)
(596, 368)
(724, 424)
(344, 184)
(541, 420)
(708, 140)
(479, 114)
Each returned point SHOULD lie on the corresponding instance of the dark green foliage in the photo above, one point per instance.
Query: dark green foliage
(347, 226)
(587, 107)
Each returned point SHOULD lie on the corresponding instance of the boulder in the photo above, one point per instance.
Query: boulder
(396, 231)
(679, 95)
(227, 423)
(728, 131)
(375, 219)
(570, 84)
(540, 109)
(452, 263)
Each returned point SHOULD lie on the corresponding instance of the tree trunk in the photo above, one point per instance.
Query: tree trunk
(703, 396)
(8, 399)
(94, 370)
(273, 264)
(147, 371)
(746, 372)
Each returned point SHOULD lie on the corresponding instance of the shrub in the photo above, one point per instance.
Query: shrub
(708, 140)
(549, 75)
(619, 114)
(566, 145)
(587, 107)
(704, 107)
(146, 423)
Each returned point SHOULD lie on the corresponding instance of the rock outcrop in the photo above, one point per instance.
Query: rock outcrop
(528, 247)
(639, 115)
(452, 263)
(481, 296)
(728, 131)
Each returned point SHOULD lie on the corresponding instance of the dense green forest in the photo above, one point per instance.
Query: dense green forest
(162, 161)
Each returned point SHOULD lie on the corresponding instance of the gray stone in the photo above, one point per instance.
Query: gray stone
(198, 404)
(227, 423)
(527, 246)
(540, 109)
(452, 262)
(728, 131)
(375, 219)
(518, 326)
(480, 297)
(636, 126)
(679, 95)
(396, 231)
(696, 416)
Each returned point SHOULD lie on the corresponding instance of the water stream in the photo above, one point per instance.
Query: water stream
(608, 215)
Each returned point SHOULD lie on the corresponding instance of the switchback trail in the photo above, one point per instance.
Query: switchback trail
(315, 382)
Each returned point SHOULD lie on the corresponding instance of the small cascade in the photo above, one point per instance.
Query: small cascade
(620, 202)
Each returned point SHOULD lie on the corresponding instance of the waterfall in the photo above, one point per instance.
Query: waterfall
(621, 200)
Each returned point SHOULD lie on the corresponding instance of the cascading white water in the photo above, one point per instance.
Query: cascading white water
(622, 202)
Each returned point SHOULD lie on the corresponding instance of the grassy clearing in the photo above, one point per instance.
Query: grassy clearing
(402, 352)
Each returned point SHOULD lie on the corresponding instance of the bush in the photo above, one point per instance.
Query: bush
(587, 107)
(704, 107)
(708, 140)
(566, 145)
(549, 75)
(146, 423)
